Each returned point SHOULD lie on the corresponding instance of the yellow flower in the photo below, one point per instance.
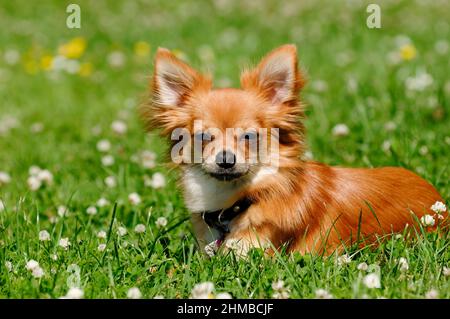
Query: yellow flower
(408, 52)
(142, 48)
(46, 62)
(85, 69)
(73, 49)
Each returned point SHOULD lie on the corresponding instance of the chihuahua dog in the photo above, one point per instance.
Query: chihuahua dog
(244, 198)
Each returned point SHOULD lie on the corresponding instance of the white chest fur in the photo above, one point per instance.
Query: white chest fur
(203, 192)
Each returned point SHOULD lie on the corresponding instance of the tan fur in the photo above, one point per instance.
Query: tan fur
(303, 206)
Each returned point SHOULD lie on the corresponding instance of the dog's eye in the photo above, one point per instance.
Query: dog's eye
(203, 136)
(249, 136)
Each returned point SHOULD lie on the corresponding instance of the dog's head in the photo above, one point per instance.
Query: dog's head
(229, 133)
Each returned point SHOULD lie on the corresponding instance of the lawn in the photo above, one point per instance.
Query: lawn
(86, 194)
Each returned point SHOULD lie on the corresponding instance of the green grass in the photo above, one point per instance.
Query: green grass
(335, 47)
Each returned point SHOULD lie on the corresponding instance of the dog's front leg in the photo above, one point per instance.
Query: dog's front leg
(204, 234)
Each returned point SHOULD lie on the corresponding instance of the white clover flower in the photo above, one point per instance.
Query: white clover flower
(45, 176)
(134, 293)
(419, 82)
(344, 259)
(122, 231)
(390, 126)
(2, 206)
(64, 243)
(62, 211)
(101, 234)
(31, 264)
(134, 158)
(386, 146)
(59, 63)
(278, 285)
(441, 47)
(110, 181)
(432, 294)
(34, 183)
(403, 264)
(284, 294)
(134, 199)
(7, 123)
(72, 66)
(44, 235)
(103, 146)
(446, 271)
(91, 210)
(340, 130)
(372, 281)
(4, 178)
(161, 222)
(148, 159)
(319, 86)
(34, 170)
(8, 265)
(438, 207)
(36, 127)
(140, 228)
(116, 59)
(423, 150)
(240, 248)
(280, 291)
(119, 127)
(362, 266)
(203, 290)
(148, 164)
(11, 56)
(158, 181)
(223, 295)
(108, 160)
(323, 294)
(74, 293)
(54, 257)
(102, 202)
(37, 272)
(402, 40)
(427, 220)
(101, 247)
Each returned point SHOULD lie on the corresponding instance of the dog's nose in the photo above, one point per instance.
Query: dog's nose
(225, 159)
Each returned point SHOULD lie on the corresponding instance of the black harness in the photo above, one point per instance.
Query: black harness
(220, 219)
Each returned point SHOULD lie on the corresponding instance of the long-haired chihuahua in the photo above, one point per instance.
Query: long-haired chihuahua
(243, 176)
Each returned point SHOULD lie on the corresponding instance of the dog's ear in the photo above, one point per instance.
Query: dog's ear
(276, 77)
(173, 80)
